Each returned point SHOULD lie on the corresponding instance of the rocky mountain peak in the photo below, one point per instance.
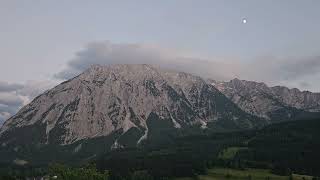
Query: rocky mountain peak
(122, 99)
(118, 106)
(305, 100)
(263, 101)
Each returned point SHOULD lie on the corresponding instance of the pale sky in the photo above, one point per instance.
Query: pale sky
(279, 44)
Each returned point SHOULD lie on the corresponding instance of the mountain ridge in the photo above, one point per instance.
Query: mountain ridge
(123, 106)
(106, 99)
(259, 99)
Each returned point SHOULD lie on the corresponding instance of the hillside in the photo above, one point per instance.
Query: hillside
(285, 148)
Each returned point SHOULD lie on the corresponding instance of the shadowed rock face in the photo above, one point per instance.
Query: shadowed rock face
(304, 100)
(130, 99)
(273, 103)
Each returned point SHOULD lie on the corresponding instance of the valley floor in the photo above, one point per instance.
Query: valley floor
(253, 174)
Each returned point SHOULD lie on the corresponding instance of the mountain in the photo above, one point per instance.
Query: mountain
(272, 103)
(119, 106)
(304, 100)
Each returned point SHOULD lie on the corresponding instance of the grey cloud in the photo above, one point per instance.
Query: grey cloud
(9, 109)
(296, 68)
(32, 89)
(287, 72)
(3, 117)
(304, 84)
(108, 53)
(272, 70)
(13, 97)
(7, 87)
(9, 104)
(10, 99)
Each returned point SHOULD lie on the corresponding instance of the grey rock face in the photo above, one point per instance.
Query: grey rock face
(299, 99)
(117, 98)
(263, 101)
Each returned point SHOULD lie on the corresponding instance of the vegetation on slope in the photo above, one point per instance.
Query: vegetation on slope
(284, 149)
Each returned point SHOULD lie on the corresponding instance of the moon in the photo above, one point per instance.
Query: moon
(244, 21)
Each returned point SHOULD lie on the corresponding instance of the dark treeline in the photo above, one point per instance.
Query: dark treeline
(290, 147)
(285, 148)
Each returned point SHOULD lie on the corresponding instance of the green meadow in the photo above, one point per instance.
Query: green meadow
(253, 174)
(229, 153)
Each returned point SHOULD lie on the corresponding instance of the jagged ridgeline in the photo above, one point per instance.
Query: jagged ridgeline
(275, 104)
(119, 106)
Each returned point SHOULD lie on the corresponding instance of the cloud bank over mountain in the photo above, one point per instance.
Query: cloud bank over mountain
(293, 72)
(105, 53)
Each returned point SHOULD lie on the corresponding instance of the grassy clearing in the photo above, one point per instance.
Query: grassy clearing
(225, 173)
(230, 152)
(301, 177)
(253, 174)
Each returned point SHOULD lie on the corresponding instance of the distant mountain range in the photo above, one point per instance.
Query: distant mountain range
(120, 106)
(276, 103)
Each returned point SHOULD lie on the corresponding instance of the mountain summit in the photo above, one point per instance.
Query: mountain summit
(133, 101)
